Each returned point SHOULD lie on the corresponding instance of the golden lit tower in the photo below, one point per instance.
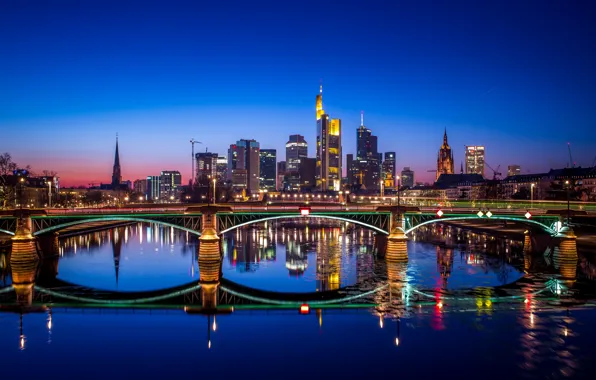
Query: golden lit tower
(445, 158)
(328, 167)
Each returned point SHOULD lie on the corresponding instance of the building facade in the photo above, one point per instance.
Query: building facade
(296, 148)
(513, 170)
(407, 177)
(445, 158)
(475, 159)
(153, 187)
(206, 164)
(268, 162)
(389, 168)
(169, 184)
(244, 165)
(328, 176)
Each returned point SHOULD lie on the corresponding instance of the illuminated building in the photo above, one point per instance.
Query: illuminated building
(475, 160)
(365, 170)
(206, 166)
(222, 168)
(445, 158)
(152, 188)
(268, 158)
(407, 177)
(169, 184)
(296, 149)
(244, 165)
(513, 170)
(389, 168)
(328, 166)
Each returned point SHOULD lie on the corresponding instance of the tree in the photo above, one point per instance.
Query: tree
(8, 187)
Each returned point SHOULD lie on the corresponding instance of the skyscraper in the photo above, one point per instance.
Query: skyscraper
(169, 183)
(206, 164)
(152, 188)
(116, 173)
(407, 177)
(365, 170)
(389, 167)
(244, 165)
(281, 173)
(328, 175)
(296, 148)
(268, 162)
(475, 160)
(445, 158)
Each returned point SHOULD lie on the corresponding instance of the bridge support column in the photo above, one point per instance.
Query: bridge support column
(209, 261)
(23, 261)
(397, 246)
(565, 253)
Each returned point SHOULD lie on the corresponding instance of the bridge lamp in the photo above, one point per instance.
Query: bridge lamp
(304, 211)
(440, 213)
(528, 215)
(480, 214)
(489, 214)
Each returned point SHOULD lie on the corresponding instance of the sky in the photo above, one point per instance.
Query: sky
(515, 76)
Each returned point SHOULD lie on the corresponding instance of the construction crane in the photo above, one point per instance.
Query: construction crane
(193, 142)
(571, 163)
(495, 172)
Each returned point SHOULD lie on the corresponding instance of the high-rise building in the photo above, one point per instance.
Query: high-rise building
(169, 184)
(206, 164)
(152, 188)
(296, 148)
(365, 170)
(389, 168)
(445, 158)
(307, 172)
(513, 170)
(328, 175)
(475, 160)
(267, 179)
(222, 169)
(243, 165)
(140, 186)
(407, 177)
(281, 173)
(116, 173)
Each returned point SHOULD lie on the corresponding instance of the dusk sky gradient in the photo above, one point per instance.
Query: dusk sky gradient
(516, 76)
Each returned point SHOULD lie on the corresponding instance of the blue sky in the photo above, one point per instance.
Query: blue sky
(517, 77)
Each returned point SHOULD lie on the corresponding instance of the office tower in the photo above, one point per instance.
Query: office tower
(389, 166)
(243, 165)
(307, 172)
(268, 162)
(169, 182)
(296, 148)
(513, 170)
(206, 164)
(281, 172)
(365, 170)
(445, 158)
(152, 188)
(328, 175)
(140, 186)
(407, 177)
(116, 173)
(475, 160)
(222, 169)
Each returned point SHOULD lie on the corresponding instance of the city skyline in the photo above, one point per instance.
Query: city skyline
(521, 86)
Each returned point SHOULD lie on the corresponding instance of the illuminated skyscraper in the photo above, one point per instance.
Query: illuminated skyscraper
(169, 182)
(475, 160)
(445, 158)
(268, 158)
(389, 167)
(365, 170)
(296, 148)
(206, 164)
(328, 175)
(244, 165)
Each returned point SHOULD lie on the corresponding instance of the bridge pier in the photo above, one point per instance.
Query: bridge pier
(24, 261)
(565, 253)
(397, 246)
(209, 261)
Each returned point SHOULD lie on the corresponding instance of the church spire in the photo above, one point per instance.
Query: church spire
(116, 173)
(445, 137)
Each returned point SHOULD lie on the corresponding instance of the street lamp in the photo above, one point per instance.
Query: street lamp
(568, 209)
(398, 200)
(49, 183)
(214, 182)
(381, 187)
(532, 195)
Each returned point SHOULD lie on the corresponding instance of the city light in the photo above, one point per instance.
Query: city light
(489, 214)
(304, 309)
(304, 211)
(480, 214)
(440, 213)
(528, 215)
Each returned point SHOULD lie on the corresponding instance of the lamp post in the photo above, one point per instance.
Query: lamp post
(381, 188)
(49, 193)
(398, 200)
(214, 198)
(568, 209)
(532, 195)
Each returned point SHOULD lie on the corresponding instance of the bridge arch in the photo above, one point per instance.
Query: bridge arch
(464, 218)
(6, 232)
(294, 216)
(59, 227)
